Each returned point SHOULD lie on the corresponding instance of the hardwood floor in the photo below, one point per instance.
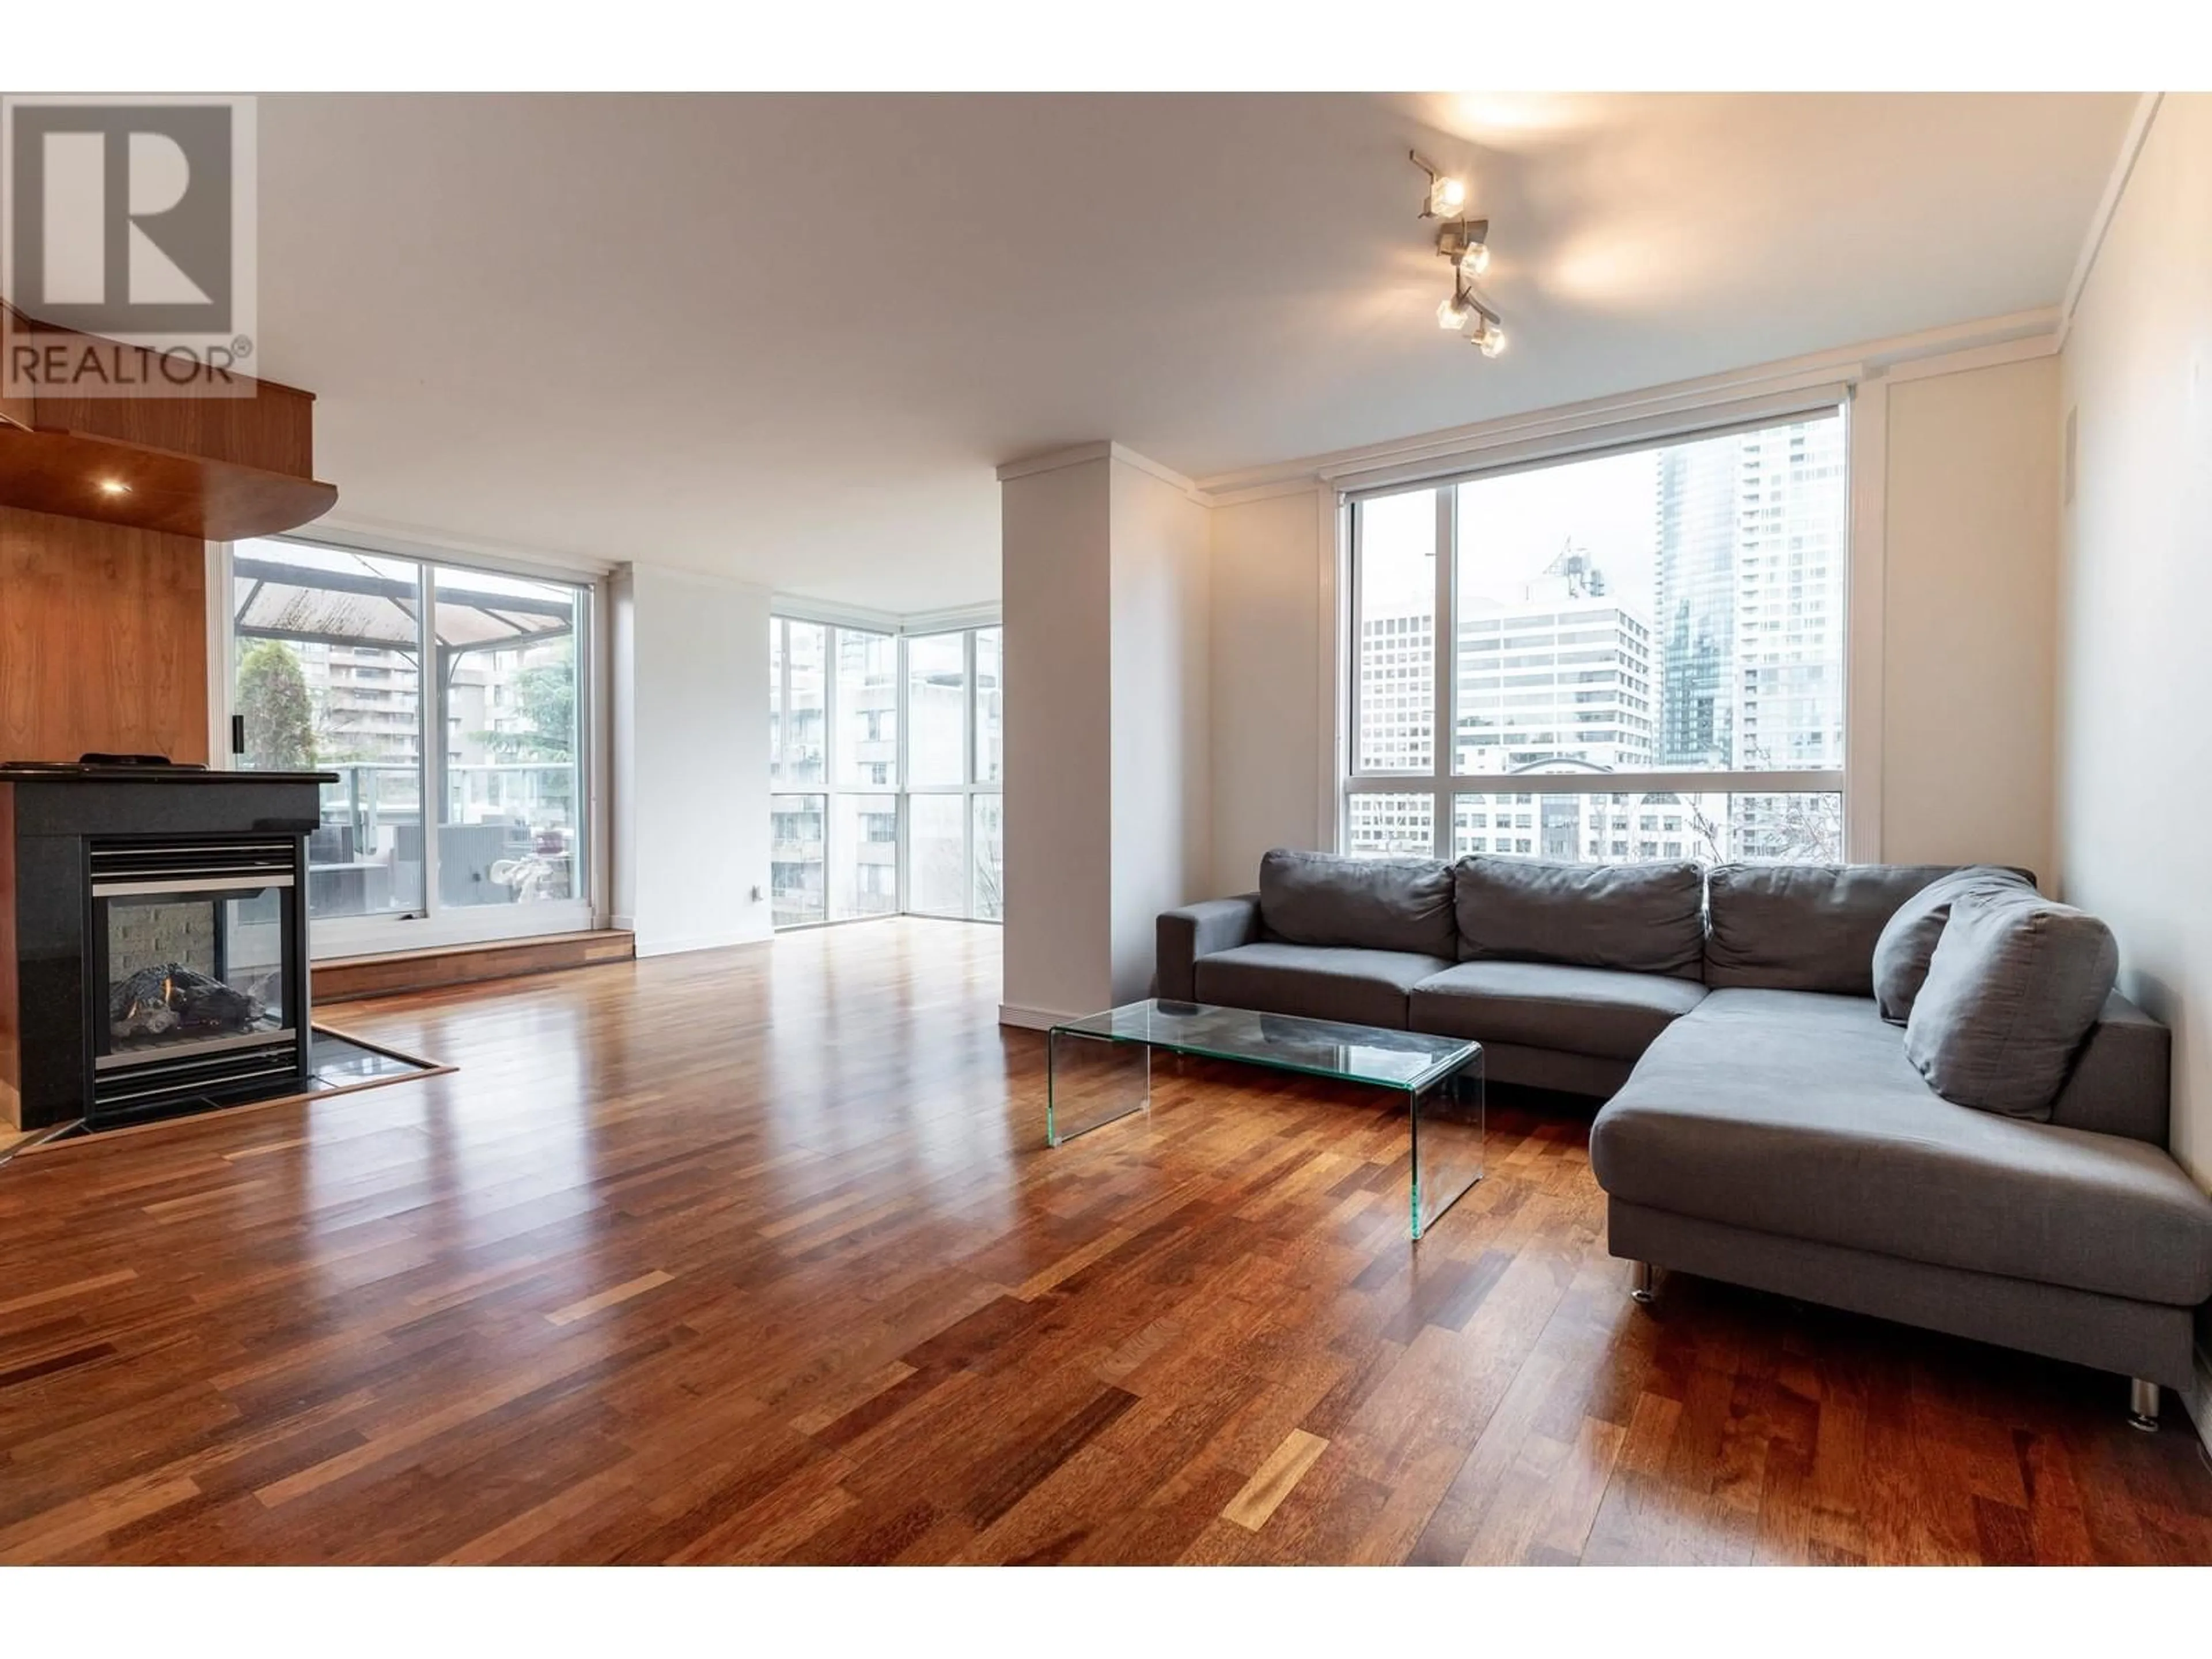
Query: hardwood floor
(758, 1255)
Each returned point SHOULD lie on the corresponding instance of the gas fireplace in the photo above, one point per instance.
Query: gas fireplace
(193, 940)
(153, 939)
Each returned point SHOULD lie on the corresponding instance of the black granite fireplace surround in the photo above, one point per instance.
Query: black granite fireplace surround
(155, 920)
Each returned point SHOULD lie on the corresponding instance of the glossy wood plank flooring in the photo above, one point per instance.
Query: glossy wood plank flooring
(756, 1255)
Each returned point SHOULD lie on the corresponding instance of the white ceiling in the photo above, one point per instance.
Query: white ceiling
(788, 338)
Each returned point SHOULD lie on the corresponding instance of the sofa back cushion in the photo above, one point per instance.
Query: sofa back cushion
(1376, 904)
(1908, 939)
(1646, 918)
(2014, 985)
(1804, 927)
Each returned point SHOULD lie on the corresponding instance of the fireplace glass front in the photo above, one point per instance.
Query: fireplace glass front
(198, 952)
(186, 972)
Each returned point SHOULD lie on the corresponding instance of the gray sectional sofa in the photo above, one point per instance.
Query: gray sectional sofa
(1763, 1123)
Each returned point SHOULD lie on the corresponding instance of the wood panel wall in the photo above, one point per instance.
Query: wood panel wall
(103, 640)
(11, 1019)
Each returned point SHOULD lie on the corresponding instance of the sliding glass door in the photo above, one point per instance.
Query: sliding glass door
(327, 650)
(450, 702)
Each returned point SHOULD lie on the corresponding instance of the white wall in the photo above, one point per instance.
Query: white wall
(690, 721)
(2134, 751)
(1270, 648)
(1054, 584)
(1971, 536)
(1161, 782)
(1968, 617)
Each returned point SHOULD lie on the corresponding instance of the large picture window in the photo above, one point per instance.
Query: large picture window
(1643, 655)
(885, 762)
(447, 700)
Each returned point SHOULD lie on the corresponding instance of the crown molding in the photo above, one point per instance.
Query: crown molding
(952, 618)
(415, 541)
(801, 609)
(1302, 483)
(1053, 460)
(2029, 332)
(2108, 205)
(1166, 474)
(1987, 357)
(1104, 449)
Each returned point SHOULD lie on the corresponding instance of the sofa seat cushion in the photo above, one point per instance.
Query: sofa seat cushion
(1797, 1114)
(1541, 1004)
(1363, 988)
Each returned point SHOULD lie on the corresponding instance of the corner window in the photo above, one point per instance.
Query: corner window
(887, 762)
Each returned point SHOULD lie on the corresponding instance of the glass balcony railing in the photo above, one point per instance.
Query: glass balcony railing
(537, 792)
(508, 835)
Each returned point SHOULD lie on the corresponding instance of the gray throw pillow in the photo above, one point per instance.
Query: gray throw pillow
(1908, 939)
(2014, 985)
(1375, 904)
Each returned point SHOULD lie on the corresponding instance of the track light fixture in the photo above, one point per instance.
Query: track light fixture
(1446, 195)
(1465, 243)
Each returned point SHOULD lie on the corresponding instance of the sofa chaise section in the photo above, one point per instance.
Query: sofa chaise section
(1781, 1139)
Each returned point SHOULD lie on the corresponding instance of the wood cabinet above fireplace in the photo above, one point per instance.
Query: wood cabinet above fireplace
(210, 467)
(107, 505)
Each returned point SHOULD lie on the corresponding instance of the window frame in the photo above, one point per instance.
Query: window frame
(967, 789)
(903, 789)
(435, 925)
(1856, 782)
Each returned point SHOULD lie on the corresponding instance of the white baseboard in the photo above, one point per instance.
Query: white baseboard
(1032, 1019)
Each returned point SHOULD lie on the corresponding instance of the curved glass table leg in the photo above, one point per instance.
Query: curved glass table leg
(1091, 1081)
(1446, 1126)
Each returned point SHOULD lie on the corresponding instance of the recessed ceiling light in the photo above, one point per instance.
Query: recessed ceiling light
(114, 487)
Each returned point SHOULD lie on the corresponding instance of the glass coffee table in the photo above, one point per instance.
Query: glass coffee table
(1099, 1069)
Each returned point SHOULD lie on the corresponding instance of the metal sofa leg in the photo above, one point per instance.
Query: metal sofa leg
(1640, 1283)
(2142, 1405)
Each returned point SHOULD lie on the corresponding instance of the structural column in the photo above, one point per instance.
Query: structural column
(1105, 594)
